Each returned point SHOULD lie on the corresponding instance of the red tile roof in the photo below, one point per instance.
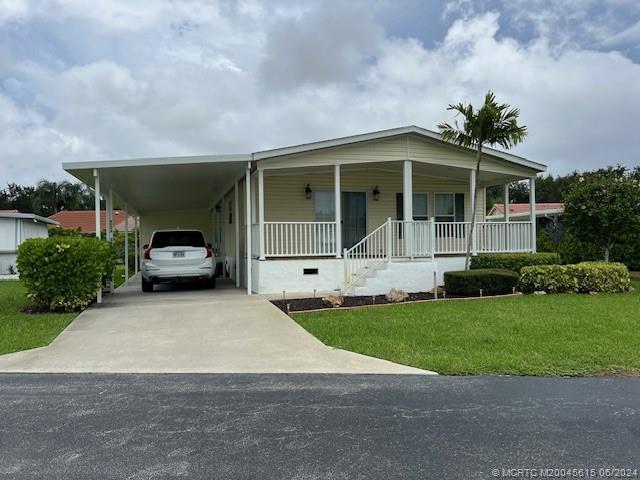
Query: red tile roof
(85, 220)
(515, 208)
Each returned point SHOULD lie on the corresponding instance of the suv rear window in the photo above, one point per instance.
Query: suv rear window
(178, 238)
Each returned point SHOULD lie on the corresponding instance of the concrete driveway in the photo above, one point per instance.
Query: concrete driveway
(189, 330)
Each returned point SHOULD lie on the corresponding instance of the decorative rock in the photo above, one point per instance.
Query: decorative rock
(333, 299)
(396, 295)
(539, 292)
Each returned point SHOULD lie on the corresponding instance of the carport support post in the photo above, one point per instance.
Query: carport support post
(261, 211)
(236, 221)
(247, 207)
(109, 231)
(96, 192)
(472, 195)
(532, 212)
(135, 239)
(126, 244)
(338, 209)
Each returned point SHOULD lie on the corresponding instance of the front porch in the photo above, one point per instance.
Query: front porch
(365, 216)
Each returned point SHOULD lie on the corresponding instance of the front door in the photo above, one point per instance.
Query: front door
(354, 218)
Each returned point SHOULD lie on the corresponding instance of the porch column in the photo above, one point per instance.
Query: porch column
(532, 212)
(407, 204)
(136, 244)
(126, 244)
(472, 192)
(247, 191)
(261, 211)
(236, 224)
(96, 192)
(338, 209)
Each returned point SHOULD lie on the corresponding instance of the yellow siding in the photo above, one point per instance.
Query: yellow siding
(285, 199)
(402, 147)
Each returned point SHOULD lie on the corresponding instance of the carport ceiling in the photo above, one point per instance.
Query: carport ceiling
(161, 184)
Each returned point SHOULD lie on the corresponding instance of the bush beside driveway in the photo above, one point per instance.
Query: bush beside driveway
(563, 334)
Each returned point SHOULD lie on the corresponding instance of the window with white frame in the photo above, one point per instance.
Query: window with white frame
(449, 207)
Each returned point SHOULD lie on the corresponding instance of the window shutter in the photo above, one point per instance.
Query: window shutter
(459, 212)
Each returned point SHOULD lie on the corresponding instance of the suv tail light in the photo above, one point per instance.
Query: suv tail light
(147, 254)
(209, 252)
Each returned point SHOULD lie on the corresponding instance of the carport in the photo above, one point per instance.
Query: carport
(177, 192)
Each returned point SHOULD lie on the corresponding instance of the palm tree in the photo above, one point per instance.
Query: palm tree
(492, 124)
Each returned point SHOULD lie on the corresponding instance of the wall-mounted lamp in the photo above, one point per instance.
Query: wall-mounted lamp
(307, 192)
(376, 193)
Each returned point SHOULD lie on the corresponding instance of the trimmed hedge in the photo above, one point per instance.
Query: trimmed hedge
(582, 277)
(490, 281)
(64, 273)
(513, 261)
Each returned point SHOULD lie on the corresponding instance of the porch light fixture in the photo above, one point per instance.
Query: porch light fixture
(307, 192)
(376, 193)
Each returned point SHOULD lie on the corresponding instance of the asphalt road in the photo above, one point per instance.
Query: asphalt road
(312, 426)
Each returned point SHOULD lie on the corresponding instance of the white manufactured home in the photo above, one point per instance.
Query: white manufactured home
(15, 228)
(360, 214)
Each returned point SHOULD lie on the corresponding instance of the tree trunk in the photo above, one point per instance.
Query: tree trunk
(474, 203)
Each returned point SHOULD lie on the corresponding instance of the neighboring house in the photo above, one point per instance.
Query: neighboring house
(546, 213)
(16, 227)
(360, 214)
(84, 221)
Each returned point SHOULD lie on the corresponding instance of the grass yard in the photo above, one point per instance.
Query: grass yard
(118, 278)
(21, 331)
(529, 335)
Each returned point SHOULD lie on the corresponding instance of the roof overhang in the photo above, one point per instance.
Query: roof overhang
(336, 142)
(29, 216)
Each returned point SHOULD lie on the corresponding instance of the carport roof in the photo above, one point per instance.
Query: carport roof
(149, 185)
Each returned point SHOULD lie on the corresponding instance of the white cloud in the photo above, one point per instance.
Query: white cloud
(227, 77)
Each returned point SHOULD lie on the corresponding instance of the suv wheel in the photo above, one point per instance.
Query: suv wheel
(147, 286)
(211, 283)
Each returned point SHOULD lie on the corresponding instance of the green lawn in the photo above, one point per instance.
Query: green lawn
(529, 335)
(118, 278)
(20, 331)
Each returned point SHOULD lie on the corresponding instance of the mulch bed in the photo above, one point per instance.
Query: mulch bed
(305, 304)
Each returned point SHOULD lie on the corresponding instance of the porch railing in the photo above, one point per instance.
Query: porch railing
(408, 239)
(299, 239)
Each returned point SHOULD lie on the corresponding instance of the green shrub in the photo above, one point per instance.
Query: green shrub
(490, 281)
(576, 278)
(513, 261)
(64, 273)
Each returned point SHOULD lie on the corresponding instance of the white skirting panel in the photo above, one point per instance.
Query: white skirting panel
(276, 276)
(298, 276)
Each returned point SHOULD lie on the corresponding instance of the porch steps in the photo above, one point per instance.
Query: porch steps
(409, 275)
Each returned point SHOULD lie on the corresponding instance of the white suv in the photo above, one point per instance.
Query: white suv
(177, 255)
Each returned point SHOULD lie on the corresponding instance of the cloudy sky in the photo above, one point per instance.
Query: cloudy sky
(104, 79)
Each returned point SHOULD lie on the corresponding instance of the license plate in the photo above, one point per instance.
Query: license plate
(178, 254)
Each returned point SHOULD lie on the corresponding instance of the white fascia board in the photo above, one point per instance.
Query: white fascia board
(336, 142)
(144, 162)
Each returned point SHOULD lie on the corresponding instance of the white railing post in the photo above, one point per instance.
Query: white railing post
(432, 236)
(261, 213)
(407, 197)
(389, 239)
(126, 244)
(532, 212)
(236, 221)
